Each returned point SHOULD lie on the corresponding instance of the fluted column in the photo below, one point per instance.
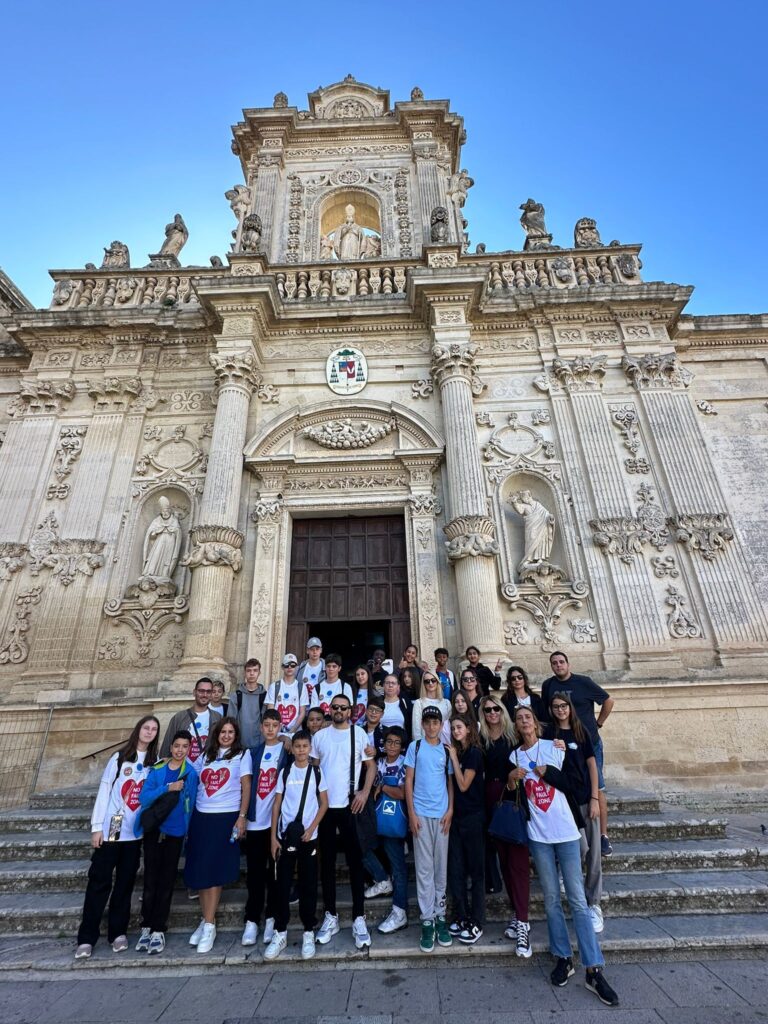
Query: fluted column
(265, 189)
(215, 556)
(471, 533)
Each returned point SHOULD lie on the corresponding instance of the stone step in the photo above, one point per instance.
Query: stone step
(674, 937)
(623, 827)
(37, 911)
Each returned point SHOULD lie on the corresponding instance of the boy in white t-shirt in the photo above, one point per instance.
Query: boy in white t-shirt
(268, 758)
(289, 698)
(300, 803)
(332, 685)
(312, 670)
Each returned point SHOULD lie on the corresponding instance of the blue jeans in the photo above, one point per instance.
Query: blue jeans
(395, 851)
(599, 761)
(547, 857)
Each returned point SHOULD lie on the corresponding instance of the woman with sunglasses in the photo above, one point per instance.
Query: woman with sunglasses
(431, 694)
(498, 738)
(469, 684)
(519, 691)
(553, 840)
(580, 767)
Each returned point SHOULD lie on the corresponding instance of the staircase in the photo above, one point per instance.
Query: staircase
(677, 886)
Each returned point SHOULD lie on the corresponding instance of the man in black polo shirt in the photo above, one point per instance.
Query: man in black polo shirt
(584, 694)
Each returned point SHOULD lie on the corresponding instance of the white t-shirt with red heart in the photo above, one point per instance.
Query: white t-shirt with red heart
(551, 820)
(220, 788)
(199, 732)
(327, 690)
(265, 781)
(284, 697)
(119, 795)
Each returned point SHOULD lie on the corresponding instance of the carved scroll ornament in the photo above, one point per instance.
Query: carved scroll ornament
(705, 532)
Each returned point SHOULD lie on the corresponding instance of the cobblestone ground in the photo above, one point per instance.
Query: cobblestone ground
(690, 992)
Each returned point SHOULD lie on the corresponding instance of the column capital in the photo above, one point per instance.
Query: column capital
(215, 545)
(470, 536)
(451, 359)
(236, 369)
(656, 372)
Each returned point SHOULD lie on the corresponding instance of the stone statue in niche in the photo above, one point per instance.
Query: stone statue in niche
(537, 236)
(539, 528)
(458, 186)
(439, 225)
(239, 197)
(176, 235)
(586, 235)
(162, 544)
(326, 247)
(116, 256)
(250, 240)
(371, 248)
(349, 238)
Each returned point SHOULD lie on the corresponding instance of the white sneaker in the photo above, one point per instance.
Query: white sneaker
(523, 941)
(378, 889)
(276, 946)
(510, 932)
(397, 919)
(157, 943)
(328, 928)
(143, 944)
(120, 944)
(197, 934)
(205, 945)
(360, 933)
(307, 945)
(269, 931)
(250, 934)
(597, 918)
(83, 951)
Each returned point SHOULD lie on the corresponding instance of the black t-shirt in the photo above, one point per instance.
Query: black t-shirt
(575, 764)
(497, 766)
(473, 800)
(584, 694)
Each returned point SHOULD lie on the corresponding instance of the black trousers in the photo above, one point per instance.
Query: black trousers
(122, 860)
(261, 875)
(304, 858)
(341, 820)
(466, 863)
(161, 862)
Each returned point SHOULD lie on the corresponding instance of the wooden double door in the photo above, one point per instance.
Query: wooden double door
(349, 587)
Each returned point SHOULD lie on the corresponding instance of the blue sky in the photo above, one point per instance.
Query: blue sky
(650, 117)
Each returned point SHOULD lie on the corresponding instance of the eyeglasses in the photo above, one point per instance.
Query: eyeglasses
(491, 710)
(204, 693)
(290, 664)
(375, 709)
(560, 707)
(340, 707)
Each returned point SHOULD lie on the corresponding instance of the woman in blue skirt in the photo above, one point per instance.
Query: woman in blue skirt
(218, 823)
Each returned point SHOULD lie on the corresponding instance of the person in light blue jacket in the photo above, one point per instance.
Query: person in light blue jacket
(163, 844)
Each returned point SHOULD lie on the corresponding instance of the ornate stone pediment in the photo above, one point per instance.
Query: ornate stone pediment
(348, 100)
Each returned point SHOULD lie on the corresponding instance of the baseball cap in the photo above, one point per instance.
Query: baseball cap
(290, 659)
(314, 641)
(430, 711)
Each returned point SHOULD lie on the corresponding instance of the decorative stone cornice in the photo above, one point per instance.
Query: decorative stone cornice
(470, 536)
(705, 532)
(215, 545)
(583, 373)
(342, 434)
(457, 359)
(42, 397)
(656, 372)
(114, 393)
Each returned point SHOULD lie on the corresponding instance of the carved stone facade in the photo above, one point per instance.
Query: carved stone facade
(574, 461)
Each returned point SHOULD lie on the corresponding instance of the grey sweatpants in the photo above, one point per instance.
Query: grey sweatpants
(590, 854)
(430, 854)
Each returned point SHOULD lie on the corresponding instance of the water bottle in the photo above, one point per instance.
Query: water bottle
(233, 836)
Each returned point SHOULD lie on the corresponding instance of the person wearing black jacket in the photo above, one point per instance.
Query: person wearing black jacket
(488, 680)
(580, 768)
(519, 691)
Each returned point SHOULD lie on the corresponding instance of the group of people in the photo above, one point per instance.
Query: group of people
(478, 779)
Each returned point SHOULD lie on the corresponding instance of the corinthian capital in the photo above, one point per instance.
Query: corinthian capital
(236, 369)
(456, 359)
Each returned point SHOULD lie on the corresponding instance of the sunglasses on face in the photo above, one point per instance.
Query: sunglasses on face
(290, 664)
(516, 676)
(491, 711)
(340, 707)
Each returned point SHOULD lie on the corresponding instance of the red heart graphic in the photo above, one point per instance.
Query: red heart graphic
(195, 748)
(130, 793)
(540, 794)
(213, 779)
(287, 713)
(325, 708)
(359, 713)
(267, 782)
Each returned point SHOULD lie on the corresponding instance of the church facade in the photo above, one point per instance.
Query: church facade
(354, 427)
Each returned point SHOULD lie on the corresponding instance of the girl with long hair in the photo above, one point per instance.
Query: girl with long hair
(466, 849)
(218, 823)
(469, 684)
(553, 840)
(519, 691)
(431, 694)
(116, 839)
(580, 768)
(410, 683)
(499, 739)
(364, 689)
(460, 707)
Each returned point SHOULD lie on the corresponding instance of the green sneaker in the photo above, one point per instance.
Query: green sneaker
(427, 943)
(444, 937)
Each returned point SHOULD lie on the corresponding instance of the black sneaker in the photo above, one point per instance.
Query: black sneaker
(456, 928)
(605, 846)
(470, 933)
(596, 983)
(562, 972)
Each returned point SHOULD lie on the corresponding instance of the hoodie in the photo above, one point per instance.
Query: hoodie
(245, 706)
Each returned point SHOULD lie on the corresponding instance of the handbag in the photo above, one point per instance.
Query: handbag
(391, 820)
(508, 821)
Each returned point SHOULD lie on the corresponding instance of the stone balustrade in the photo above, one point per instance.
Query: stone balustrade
(124, 289)
(342, 282)
(564, 269)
